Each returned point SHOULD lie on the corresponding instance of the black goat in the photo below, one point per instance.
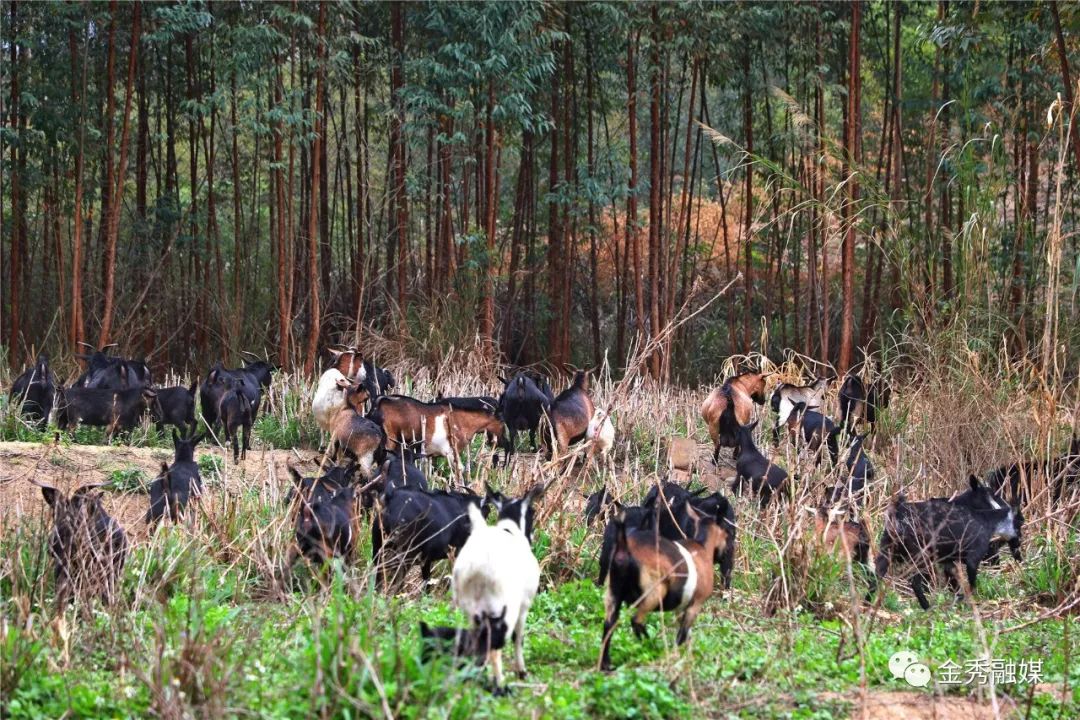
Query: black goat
(859, 402)
(420, 526)
(250, 381)
(525, 400)
(860, 472)
(236, 412)
(938, 531)
(178, 484)
(175, 406)
(112, 409)
(765, 478)
(33, 391)
(88, 547)
(112, 373)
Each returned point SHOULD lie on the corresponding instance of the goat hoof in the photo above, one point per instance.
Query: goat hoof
(500, 691)
(607, 667)
(522, 674)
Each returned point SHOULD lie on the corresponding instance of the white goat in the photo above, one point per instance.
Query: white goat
(600, 434)
(329, 398)
(496, 577)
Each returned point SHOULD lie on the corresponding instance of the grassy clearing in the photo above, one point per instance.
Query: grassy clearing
(204, 630)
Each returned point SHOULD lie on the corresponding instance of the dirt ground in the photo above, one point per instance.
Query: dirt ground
(72, 466)
(917, 705)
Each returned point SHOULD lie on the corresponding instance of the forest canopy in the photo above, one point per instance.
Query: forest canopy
(558, 181)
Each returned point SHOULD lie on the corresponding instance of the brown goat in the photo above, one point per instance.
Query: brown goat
(444, 428)
(740, 391)
(353, 434)
(656, 574)
(572, 412)
(833, 532)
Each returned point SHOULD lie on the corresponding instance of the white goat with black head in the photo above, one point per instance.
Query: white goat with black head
(496, 577)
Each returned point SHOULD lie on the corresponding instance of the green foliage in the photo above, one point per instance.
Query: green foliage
(128, 480)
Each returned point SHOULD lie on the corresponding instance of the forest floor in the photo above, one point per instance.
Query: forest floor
(204, 627)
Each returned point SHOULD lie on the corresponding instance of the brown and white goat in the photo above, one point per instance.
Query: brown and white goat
(353, 434)
(741, 392)
(652, 573)
(350, 363)
(443, 428)
(572, 413)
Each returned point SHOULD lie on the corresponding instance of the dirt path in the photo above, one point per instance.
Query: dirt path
(68, 467)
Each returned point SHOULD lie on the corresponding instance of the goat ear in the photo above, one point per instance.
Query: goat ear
(752, 425)
(175, 437)
(48, 492)
(343, 383)
(298, 479)
(973, 481)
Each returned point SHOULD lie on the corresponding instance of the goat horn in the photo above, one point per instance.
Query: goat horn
(42, 485)
(86, 344)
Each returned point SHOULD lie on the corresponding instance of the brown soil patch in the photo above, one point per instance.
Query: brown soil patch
(916, 705)
(75, 465)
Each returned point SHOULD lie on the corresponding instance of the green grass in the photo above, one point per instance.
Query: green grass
(202, 628)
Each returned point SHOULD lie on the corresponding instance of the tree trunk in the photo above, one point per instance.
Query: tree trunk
(317, 151)
(397, 143)
(117, 190)
(633, 238)
(491, 202)
(1066, 79)
(748, 202)
(850, 171)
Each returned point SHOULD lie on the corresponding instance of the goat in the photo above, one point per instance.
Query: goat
(324, 530)
(786, 396)
(496, 576)
(653, 573)
(860, 472)
(356, 436)
(417, 525)
(765, 477)
(441, 429)
(87, 546)
(175, 406)
(937, 531)
(860, 402)
(112, 373)
(525, 400)
(675, 521)
(329, 398)
(816, 430)
(399, 470)
(487, 404)
(236, 413)
(350, 362)
(739, 393)
(600, 434)
(101, 407)
(460, 643)
(572, 413)
(1018, 476)
(179, 483)
(33, 391)
(317, 489)
(832, 530)
(250, 381)
(979, 497)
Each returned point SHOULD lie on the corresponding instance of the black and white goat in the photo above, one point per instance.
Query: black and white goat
(496, 577)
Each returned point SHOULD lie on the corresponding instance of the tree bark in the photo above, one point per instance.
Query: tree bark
(317, 151)
(850, 172)
(118, 189)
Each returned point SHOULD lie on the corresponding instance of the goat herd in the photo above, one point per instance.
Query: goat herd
(657, 556)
